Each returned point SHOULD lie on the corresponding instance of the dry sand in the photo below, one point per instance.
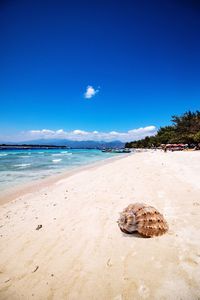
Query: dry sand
(79, 253)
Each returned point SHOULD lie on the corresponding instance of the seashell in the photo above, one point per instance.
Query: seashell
(144, 219)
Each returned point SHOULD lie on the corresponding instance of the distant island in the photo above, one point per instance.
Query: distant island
(26, 146)
(62, 143)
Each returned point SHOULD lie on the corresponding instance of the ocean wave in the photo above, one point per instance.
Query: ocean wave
(56, 160)
(22, 165)
(3, 154)
(66, 153)
(63, 153)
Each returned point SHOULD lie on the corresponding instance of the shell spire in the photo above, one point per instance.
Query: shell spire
(144, 219)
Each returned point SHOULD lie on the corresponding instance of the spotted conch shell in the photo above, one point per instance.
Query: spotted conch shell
(144, 219)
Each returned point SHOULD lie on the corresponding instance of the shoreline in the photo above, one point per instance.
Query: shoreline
(31, 186)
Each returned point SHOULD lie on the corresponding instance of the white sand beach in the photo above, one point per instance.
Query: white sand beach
(80, 253)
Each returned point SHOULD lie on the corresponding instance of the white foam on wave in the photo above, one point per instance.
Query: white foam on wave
(3, 154)
(22, 165)
(63, 153)
(66, 153)
(56, 160)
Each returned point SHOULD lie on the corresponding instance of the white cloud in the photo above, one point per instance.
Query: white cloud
(79, 132)
(142, 130)
(90, 92)
(60, 131)
(82, 135)
(43, 131)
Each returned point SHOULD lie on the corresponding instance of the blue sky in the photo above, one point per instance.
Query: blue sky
(140, 60)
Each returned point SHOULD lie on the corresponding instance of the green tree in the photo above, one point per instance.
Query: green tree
(184, 129)
(197, 137)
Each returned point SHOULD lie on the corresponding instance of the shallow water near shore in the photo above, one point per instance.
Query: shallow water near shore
(22, 166)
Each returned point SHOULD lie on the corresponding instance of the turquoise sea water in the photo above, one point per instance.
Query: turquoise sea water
(21, 166)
